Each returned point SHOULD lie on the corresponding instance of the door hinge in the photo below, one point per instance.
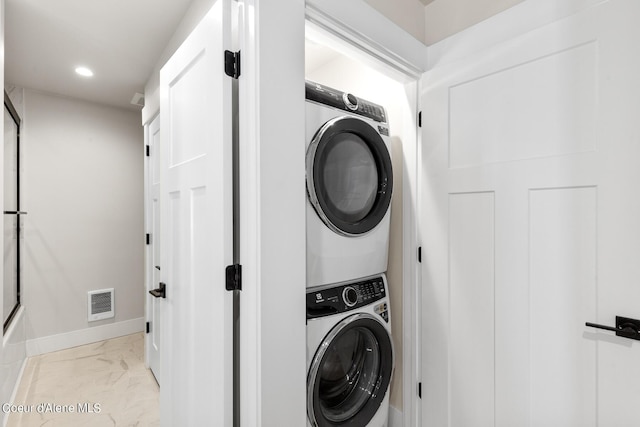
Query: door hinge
(419, 119)
(148, 150)
(148, 239)
(419, 253)
(232, 63)
(148, 327)
(234, 277)
(420, 390)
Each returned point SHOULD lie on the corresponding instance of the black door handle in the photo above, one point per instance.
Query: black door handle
(160, 292)
(625, 327)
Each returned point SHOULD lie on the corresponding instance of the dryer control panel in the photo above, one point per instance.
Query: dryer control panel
(347, 102)
(346, 297)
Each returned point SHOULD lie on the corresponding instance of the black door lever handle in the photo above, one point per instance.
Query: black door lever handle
(595, 325)
(160, 292)
(625, 327)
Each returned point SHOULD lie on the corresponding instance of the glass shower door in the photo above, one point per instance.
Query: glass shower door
(12, 214)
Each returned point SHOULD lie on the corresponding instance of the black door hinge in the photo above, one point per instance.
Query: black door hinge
(148, 239)
(148, 150)
(420, 390)
(234, 277)
(232, 63)
(419, 253)
(420, 119)
(148, 327)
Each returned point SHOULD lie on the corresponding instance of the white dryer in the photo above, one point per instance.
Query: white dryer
(349, 186)
(349, 354)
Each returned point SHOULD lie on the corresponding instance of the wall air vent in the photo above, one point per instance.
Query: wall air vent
(100, 304)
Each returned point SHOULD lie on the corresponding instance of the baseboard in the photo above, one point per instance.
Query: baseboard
(83, 336)
(396, 419)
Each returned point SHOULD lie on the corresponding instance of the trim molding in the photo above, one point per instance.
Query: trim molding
(359, 24)
(71, 339)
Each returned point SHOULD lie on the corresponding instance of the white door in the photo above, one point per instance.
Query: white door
(154, 305)
(530, 209)
(196, 227)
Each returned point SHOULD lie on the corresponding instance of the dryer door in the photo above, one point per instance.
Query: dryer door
(350, 373)
(349, 175)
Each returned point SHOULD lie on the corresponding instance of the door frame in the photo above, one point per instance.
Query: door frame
(272, 245)
(268, 140)
(148, 227)
(404, 59)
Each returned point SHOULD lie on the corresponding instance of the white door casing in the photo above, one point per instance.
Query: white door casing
(529, 224)
(153, 305)
(196, 228)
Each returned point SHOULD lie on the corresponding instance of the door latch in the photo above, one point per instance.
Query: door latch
(160, 292)
(625, 327)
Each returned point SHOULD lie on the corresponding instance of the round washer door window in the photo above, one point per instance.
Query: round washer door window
(349, 176)
(350, 373)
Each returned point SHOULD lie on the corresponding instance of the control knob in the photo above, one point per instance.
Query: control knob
(349, 296)
(350, 101)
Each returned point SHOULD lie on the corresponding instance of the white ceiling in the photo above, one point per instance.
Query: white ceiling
(120, 40)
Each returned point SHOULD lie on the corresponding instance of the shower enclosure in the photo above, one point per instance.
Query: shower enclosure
(12, 214)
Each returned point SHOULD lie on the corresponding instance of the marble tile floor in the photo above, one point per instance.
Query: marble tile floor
(99, 384)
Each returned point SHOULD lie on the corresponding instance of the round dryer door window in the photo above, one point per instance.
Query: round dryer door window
(349, 176)
(350, 373)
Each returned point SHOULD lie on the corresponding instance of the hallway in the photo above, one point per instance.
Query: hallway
(99, 384)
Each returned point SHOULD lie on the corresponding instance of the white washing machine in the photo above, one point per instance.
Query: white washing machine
(349, 186)
(349, 354)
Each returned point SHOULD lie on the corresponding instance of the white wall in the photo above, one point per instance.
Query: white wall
(272, 245)
(82, 187)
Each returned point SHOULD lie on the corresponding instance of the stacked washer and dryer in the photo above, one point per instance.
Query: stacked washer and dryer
(349, 187)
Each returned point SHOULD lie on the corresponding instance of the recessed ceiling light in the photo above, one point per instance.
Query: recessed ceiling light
(84, 71)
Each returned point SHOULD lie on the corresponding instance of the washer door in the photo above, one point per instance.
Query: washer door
(350, 373)
(349, 176)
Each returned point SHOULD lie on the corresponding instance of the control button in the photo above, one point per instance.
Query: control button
(350, 101)
(349, 296)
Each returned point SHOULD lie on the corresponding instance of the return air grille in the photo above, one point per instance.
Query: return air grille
(100, 304)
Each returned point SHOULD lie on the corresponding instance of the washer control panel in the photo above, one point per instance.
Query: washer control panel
(347, 297)
(347, 102)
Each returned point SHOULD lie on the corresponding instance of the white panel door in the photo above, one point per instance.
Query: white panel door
(196, 228)
(530, 217)
(154, 305)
